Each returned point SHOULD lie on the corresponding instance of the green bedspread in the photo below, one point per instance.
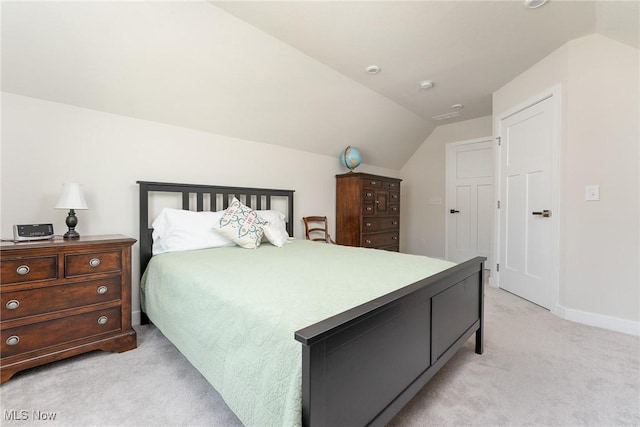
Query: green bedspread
(233, 312)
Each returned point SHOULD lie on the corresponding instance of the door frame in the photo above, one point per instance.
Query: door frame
(555, 94)
(490, 262)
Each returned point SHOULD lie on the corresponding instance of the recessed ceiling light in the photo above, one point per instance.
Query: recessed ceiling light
(373, 69)
(532, 4)
(426, 84)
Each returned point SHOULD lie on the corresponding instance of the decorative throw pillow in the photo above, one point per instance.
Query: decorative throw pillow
(241, 224)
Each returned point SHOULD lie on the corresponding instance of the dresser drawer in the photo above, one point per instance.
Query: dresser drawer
(58, 297)
(22, 270)
(380, 239)
(371, 183)
(92, 263)
(380, 224)
(40, 335)
(391, 186)
(394, 197)
(368, 209)
(394, 209)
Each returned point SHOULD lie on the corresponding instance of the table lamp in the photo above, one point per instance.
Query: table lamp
(71, 198)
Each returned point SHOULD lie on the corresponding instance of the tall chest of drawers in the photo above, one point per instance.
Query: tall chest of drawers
(61, 298)
(368, 211)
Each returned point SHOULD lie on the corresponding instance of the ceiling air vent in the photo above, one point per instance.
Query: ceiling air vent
(447, 115)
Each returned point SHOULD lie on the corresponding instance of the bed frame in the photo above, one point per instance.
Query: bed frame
(362, 366)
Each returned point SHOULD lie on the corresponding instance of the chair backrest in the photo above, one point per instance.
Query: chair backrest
(316, 229)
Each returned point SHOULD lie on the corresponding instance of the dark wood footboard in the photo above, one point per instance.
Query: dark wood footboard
(362, 366)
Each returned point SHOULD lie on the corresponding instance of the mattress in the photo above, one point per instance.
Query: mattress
(233, 312)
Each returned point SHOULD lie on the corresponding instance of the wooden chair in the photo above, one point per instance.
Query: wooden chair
(316, 229)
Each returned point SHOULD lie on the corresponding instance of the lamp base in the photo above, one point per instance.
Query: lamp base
(71, 234)
(71, 222)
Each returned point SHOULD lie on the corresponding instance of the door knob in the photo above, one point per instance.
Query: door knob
(545, 213)
(454, 211)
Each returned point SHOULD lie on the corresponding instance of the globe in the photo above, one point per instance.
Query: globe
(351, 157)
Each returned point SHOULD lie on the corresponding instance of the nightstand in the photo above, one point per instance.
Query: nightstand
(60, 298)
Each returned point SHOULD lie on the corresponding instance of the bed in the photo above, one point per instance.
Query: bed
(341, 351)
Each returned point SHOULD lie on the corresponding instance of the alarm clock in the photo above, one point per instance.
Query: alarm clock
(32, 232)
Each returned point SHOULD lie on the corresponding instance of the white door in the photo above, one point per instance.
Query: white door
(528, 211)
(470, 199)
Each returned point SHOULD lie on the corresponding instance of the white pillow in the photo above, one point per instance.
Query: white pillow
(276, 231)
(181, 230)
(274, 217)
(241, 224)
(275, 235)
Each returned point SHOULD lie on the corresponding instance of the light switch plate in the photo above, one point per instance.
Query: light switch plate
(592, 192)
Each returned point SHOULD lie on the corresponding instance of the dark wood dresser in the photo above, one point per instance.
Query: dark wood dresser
(368, 211)
(61, 298)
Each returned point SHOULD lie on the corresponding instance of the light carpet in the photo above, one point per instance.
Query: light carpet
(536, 370)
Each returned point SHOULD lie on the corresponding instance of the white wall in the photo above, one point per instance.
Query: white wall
(423, 225)
(599, 277)
(45, 144)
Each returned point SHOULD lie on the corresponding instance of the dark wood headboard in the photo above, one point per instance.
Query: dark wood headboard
(218, 198)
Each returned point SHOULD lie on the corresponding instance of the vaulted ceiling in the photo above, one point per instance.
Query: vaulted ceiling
(292, 73)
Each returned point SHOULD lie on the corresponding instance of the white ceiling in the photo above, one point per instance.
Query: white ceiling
(292, 73)
(468, 48)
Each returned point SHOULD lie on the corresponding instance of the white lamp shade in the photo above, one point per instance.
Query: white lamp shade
(72, 197)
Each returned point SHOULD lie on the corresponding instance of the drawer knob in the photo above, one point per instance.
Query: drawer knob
(369, 194)
(394, 238)
(369, 208)
(368, 241)
(94, 262)
(394, 222)
(102, 290)
(13, 340)
(13, 304)
(23, 270)
(102, 320)
(373, 183)
(368, 224)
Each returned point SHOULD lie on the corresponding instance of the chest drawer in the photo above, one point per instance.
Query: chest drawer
(368, 209)
(36, 336)
(379, 240)
(58, 297)
(92, 263)
(371, 183)
(391, 186)
(369, 196)
(23, 270)
(372, 225)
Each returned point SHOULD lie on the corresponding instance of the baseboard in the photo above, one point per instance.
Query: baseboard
(599, 320)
